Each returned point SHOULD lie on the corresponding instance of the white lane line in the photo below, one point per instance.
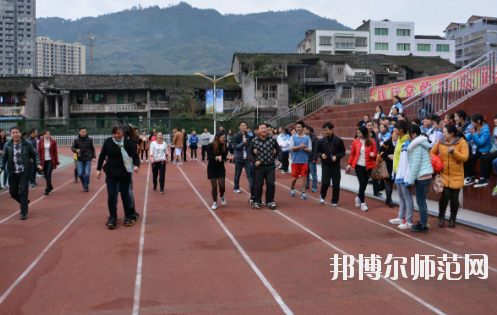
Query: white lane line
(387, 227)
(32, 203)
(414, 297)
(268, 285)
(35, 262)
(138, 281)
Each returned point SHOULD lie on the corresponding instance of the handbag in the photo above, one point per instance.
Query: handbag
(381, 171)
(436, 161)
(437, 185)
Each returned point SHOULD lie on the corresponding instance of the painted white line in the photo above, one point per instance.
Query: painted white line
(138, 281)
(35, 262)
(32, 203)
(268, 285)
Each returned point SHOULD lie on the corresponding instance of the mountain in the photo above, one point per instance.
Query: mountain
(182, 39)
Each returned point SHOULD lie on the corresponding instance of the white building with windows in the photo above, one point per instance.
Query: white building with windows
(334, 42)
(398, 39)
(57, 57)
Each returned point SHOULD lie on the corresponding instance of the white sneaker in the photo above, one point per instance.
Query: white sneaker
(142, 161)
(214, 206)
(405, 225)
(321, 200)
(396, 221)
(174, 162)
(357, 202)
(223, 200)
(180, 163)
(237, 191)
(334, 204)
(364, 207)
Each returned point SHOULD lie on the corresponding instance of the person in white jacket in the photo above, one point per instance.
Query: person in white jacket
(159, 155)
(284, 143)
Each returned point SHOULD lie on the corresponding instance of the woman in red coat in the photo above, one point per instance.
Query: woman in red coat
(363, 160)
(47, 150)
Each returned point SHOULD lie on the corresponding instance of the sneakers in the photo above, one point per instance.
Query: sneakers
(419, 228)
(334, 204)
(314, 189)
(494, 192)
(223, 200)
(405, 225)
(251, 201)
(303, 196)
(482, 183)
(214, 206)
(256, 206)
(364, 207)
(180, 163)
(321, 200)
(469, 181)
(357, 202)
(85, 189)
(32, 185)
(23, 217)
(272, 206)
(396, 221)
(174, 162)
(155, 188)
(237, 191)
(292, 192)
(162, 191)
(142, 161)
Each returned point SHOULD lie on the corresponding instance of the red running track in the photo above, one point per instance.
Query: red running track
(235, 260)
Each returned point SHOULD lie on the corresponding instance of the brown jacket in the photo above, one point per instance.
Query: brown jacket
(453, 170)
(145, 144)
(177, 140)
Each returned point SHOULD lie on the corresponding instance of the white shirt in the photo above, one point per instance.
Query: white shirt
(158, 151)
(362, 154)
(244, 150)
(46, 147)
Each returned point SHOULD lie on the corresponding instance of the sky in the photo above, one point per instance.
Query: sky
(430, 17)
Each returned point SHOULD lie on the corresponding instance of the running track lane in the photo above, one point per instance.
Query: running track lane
(356, 235)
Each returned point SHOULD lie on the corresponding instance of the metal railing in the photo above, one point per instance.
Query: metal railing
(454, 88)
(108, 108)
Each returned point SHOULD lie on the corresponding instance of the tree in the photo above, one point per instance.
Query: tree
(185, 107)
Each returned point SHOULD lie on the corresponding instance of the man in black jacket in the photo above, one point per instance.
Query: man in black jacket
(313, 158)
(241, 143)
(185, 140)
(33, 133)
(331, 150)
(20, 157)
(83, 146)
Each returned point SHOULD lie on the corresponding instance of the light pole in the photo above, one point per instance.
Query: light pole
(214, 81)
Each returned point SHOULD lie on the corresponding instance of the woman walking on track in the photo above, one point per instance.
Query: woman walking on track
(454, 151)
(122, 161)
(363, 160)
(159, 155)
(145, 145)
(217, 152)
(193, 146)
(47, 150)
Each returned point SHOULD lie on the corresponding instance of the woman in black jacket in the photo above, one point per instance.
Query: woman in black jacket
(217, 152)
(122, 161)
(387, 151)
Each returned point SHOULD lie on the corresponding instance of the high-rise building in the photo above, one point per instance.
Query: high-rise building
(17, 37)
(57, 57)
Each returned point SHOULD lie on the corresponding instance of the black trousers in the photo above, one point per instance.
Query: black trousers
(124, 183)
(159, 169)
(146, 154)
(204, 152)
(193, 152)
(284, 161)
(486, 164)
(376, 186)
(19, 189)
(363, 177)
(172, 154)
(265, 173)
(331, 174)
(469, 171)
(184, 151)
(47, 171)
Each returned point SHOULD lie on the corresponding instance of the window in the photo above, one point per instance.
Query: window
(404, 47)
(463, 28)
(361, 41)
(424, 47)
(131, 97)
(381, 46)
(339, 70)
(493, 34)
(402, 32)
(344, 42)
(450, 32)
(493, 47)
(99, 98)
(324, 40)
(325, 52)
(381, 31)
(444, 48)
(269, 92)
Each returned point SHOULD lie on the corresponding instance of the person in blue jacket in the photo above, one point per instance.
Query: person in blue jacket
(384, 134)
(486, 160)
(480, 143)
(397, 103)
(193, 146)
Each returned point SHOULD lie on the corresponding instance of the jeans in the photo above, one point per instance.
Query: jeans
(469, 171)
(159, 169)
(47, 171)
(112, 186)
(362, 176)
(421, 191)
(267, 173)
(84, 169)
(486, 164)
(314, 173)
(19, 190)
(331, 175)
(5, 175)
(239, 166)
(494, 164)
(34, 171)
(405, 202)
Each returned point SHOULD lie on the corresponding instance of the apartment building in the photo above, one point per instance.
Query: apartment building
(17, 37)
(57, 57)
(399, 39)
(334, 42)
(474, 38)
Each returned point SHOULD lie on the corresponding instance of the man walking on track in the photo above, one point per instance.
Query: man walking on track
(178, 146)
(301, 144)
(241, 143)
(83, 146)
(205, 139)
(19, 156)
(262, 153)
(331, 150)
(185, 141)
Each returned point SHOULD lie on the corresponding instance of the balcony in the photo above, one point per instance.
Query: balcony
(359, 79)
(268, 103)
(159, 105)
(107, 108)
(313, 80)
(12, 111)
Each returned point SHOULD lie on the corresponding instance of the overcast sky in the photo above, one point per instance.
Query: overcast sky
(431, 17)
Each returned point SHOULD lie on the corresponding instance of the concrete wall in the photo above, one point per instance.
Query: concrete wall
(35, 103)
